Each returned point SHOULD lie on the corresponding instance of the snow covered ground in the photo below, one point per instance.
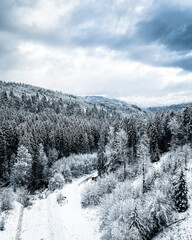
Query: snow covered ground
(11, 222)
(179, 231)
(48, 220)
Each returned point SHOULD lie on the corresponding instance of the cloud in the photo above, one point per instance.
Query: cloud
(136, 50)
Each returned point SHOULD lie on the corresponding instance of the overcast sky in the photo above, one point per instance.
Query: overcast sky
(136, 50)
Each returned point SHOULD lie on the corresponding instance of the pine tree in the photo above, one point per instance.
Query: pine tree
(101, 155)
(143, 155)
(153, 137)
(181, 191)
(121, 146)
(43, 170)
(22, 169)
(137, 223)
(52, 156)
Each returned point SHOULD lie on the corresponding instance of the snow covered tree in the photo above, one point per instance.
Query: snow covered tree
(121, 147)
(180, 194)
(101, 156)
(175, 128)
(111, 152)
(143, 154)
(159, 210)
(137, 223)
(130, 127)
(43, 170)
(153, 143)
(22, 169)
(52, 156)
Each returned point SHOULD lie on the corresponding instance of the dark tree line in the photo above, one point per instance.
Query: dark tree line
(162, 131)
(63, 126)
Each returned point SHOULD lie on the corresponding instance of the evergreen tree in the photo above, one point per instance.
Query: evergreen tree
(22, 169)
(52, 156)
(121, 147)
(137, 223)
(143, 155)
(101, 164)
(153, 142)
(42, 165)
(180, 194)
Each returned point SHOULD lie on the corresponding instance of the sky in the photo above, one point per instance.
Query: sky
(139, 51)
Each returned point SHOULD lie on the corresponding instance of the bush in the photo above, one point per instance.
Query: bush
(2, 224)
(7, 199)
(23, 197)
(126, 205)
(75, 166)
(60, 198)
(94, 191)
(56, 182)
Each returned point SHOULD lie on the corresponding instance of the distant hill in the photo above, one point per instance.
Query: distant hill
(112, 106)
(175, 107)
(116, 105)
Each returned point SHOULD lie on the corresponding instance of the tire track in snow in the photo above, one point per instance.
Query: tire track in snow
(50, 219)
(19, 225)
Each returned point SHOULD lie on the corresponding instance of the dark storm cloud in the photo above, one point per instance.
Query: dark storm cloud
(168, 25)
(164, 24)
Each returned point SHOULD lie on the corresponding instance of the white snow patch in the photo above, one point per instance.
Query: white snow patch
(11, 221)
(48, 220)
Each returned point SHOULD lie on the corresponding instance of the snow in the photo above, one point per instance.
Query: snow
(48, 220)
(181, 230)
(11, 222)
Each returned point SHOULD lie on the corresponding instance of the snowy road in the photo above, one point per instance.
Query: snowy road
(47, 220)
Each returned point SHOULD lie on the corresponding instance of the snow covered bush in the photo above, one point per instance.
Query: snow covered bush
(94, 191)
(56, 182)
(127, 213)
(124, 219)
(60, 198)
(160, 210)
(7, 199)
(2, 224)
(75, 165)
(23, 197)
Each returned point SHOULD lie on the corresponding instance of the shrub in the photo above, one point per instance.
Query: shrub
(126, 213)
(75, 166)
(7, 199)
(23, 197)
(56, 182)
(2, 224)
(60, 198)
(94, 191)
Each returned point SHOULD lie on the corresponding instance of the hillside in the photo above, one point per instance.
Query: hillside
(116, 105)
(112, 106)
(175, 107)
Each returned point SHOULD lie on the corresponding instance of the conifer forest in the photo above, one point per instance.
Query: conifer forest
(143, 160)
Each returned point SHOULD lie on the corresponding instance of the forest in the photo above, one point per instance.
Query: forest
(142, 160)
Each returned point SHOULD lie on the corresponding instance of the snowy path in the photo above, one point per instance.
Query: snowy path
(19, 226)
(47, 220)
